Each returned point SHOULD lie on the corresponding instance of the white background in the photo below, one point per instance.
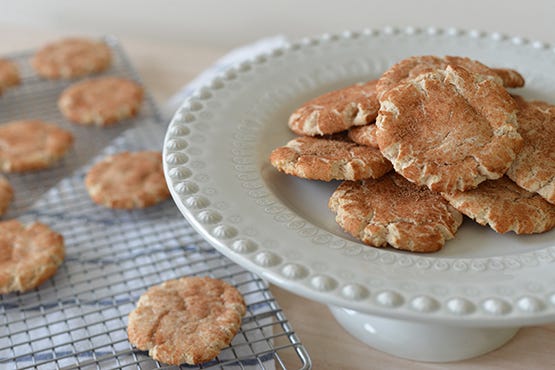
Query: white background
(230, 23)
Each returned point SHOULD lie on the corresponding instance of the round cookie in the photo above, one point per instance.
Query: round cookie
(449, 129)
(128, 180)
(364, 135)
(71, 57)
(9, 74)
(413, 66)
(101, 101)
(30, 145)
(505, 206)
(534, 166)
(392, 211)
(29, 255)
(6, 194)
(188, 320)
(336, 111)
(329, 159)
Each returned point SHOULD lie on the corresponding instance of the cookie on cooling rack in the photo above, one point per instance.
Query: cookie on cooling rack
(411, 67)
(101, 101)
(71, 58)
(449, 129)
(505, 206)
(326, 159)
(29, 255)
(6, 194)
(336, 111)
(9, 74)
(364, 135)
(534, 166)
(187, 320)
(392, 211)
(30, 145)
(128, 180)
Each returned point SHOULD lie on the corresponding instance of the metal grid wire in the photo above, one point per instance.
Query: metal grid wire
(78, 318)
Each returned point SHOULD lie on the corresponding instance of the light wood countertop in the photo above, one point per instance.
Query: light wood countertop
(165, 68)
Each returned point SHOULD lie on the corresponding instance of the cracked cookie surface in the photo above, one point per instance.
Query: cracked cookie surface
(101, 101)
(187, 320)
(449, 129)
(392, 211)
(534, 166)
(29, 255)
(364, 135)
(336, 110)
(31, 145)
(411, 67)
(505, 206)
(329, 159)
(128, 180)
(71, 57)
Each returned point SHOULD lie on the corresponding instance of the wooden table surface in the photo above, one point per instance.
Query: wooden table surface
(164, 68)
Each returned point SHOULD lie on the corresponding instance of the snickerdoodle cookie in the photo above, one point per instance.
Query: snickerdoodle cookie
(329, 159)
(31, 145)
(29, 255)
(449, 129)
(71, 57)
(364, 135)
(6, 194)
(534, 166)
(336, 111)
(411, 67)
(187, 320)
(101, 101)
(9, 74)
(392, 211)
(505, 206)
(128, 180)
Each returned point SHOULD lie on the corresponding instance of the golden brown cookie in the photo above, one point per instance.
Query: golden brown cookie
(9, 74)
(71, 57)
(31, 145)
(392, 211)
(505, 206)
(449, 129)
(413, 66)
(128, 180)
(101, 101)
(329, 159)
(6, 194)
(364, 135)
(336, 111)
(188, 320)
(29, 255)
(534, 167)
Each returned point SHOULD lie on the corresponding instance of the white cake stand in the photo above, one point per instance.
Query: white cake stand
(463, 301)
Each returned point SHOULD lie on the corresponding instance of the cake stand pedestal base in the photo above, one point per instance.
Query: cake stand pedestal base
(421, 341)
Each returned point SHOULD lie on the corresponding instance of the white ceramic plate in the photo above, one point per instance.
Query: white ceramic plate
(216, 163)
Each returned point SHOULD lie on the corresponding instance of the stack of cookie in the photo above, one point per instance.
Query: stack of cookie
(458, 141)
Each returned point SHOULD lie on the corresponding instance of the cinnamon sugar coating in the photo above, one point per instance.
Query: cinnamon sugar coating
(329, 159)
(449, 129)
(29, 255)
(392, 211)
(187, 320)
(336, 110)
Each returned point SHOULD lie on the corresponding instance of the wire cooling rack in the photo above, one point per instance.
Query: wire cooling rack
(78, 318)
